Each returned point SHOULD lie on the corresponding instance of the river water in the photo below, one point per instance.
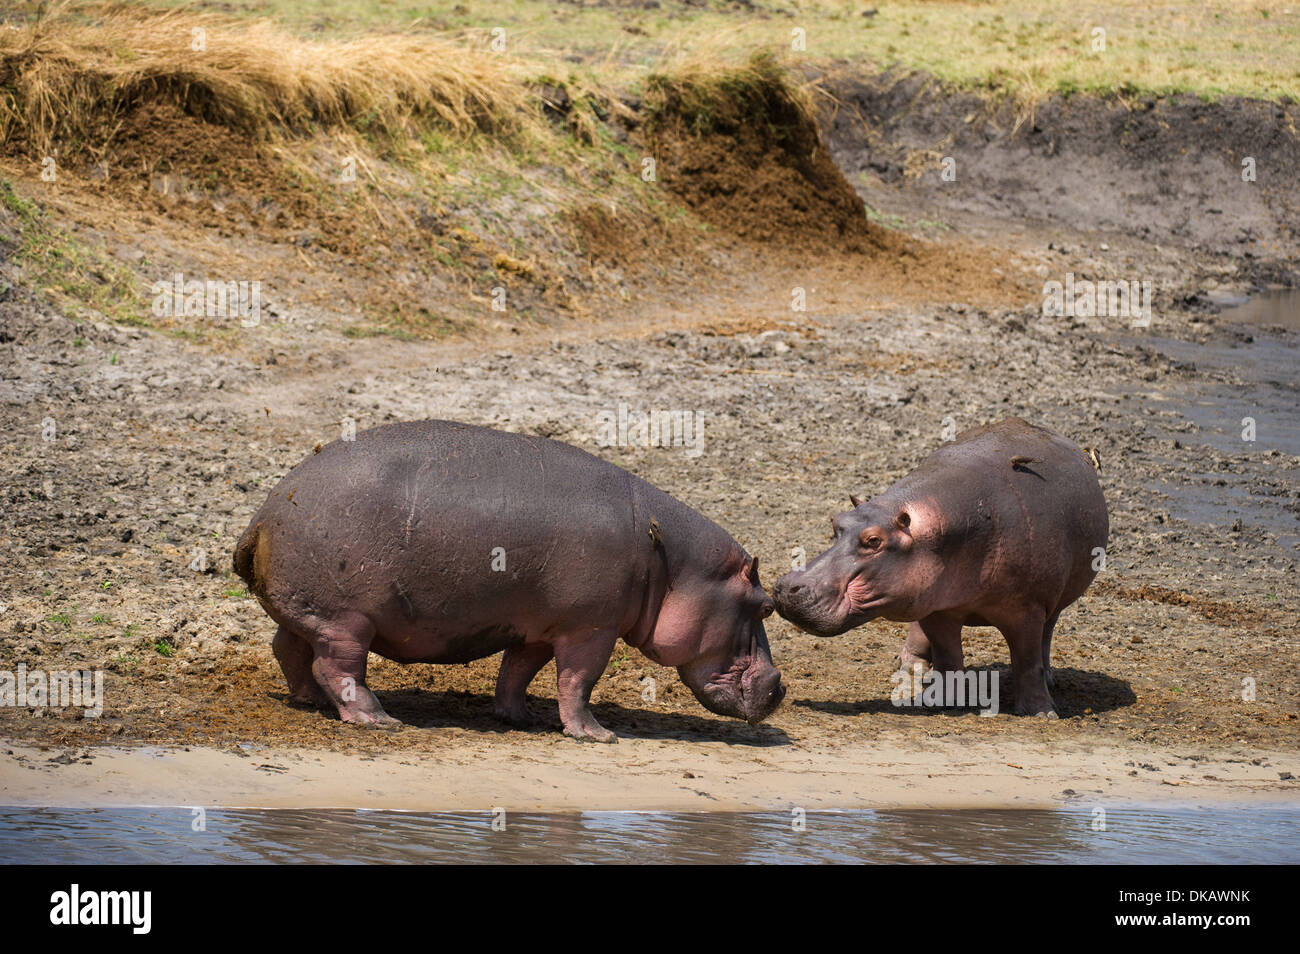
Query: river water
(1093, 834)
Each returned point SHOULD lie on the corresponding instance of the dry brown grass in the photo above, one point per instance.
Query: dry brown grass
(707, 89)
(66, 79)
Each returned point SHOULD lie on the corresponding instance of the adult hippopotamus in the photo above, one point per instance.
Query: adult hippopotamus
(997, 528)
(440, 542)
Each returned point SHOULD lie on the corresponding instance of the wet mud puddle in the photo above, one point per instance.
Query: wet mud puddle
(1243, 398)
(1268, 310)
(1224, 834)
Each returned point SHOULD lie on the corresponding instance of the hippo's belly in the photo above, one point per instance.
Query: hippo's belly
(444, 644)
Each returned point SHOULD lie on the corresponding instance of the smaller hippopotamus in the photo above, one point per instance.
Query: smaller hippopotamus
(439, 542)
(998, 528)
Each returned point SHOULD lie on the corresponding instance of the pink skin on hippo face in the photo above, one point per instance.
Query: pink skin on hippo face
(714, 635)
(873, 569)
(1000, 527)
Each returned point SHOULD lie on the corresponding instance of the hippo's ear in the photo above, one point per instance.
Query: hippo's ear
(903, 533)
(751, 571)
(855, 501)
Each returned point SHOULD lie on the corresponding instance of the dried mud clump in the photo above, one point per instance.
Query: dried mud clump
(741, 147)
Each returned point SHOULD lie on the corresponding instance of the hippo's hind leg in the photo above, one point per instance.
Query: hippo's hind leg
(1024, 635)
(294, 655)
(341, 648)
(1047, 651)
(579, 662)
(519, 665)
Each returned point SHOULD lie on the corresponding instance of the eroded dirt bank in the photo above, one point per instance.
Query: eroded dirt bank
(161, 448)
(1175, 171)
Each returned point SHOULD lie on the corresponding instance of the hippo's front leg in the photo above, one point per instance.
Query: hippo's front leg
(934, 641)
(916, 649)
(579, 662)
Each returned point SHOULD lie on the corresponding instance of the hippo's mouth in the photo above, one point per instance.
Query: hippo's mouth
(859, 603)
(761, 692)
(853, 605)
(750, 689)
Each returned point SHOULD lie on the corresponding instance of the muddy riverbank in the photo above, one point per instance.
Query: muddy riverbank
(162, 453)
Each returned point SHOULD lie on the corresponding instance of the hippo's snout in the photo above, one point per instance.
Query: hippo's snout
(810, 606)
(785, 591)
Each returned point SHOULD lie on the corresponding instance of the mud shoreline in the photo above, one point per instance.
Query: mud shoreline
(646, 775)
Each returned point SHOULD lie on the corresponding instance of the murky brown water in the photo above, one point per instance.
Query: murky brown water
(1268, 310)
(1089, 834)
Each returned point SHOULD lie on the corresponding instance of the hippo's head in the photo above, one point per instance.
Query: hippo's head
(712, 631)
(874, 567)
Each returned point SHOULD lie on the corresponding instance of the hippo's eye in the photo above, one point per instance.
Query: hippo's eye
(765, 610)
(871, 543)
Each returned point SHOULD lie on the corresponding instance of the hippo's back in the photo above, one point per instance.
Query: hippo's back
(1030, 498)
(440, 524)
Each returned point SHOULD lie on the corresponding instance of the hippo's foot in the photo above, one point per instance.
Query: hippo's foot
(372, 720)
(591, 731)
(515, 714)
(1039, 708)
(365, 710)
(309, 700)
(906, 661)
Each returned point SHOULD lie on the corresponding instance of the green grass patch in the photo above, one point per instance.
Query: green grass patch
(72, 274)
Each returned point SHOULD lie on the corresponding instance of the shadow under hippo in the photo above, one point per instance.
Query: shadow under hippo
(1076, 692)
(439, 709)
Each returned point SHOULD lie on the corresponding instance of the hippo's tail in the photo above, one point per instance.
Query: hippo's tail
(245, 561)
